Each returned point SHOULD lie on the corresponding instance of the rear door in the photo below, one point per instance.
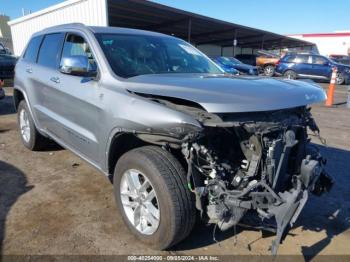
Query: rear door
(27, 78)
(321, 67)
(45, 74)
(76, 103)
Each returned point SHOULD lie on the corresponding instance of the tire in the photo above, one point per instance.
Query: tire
(340, 79)
(290, 74)
(269, 70)
(176, 205)
(33, 140)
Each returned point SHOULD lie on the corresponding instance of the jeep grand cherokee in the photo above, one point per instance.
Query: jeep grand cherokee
(173, 131)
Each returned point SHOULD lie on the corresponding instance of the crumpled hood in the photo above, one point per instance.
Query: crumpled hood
(223, 94)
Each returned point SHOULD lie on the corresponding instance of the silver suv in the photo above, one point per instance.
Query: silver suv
(173, 132)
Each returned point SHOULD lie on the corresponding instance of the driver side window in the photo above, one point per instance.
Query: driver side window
(75, 45)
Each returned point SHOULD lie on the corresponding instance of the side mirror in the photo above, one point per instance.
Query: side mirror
(77, 65)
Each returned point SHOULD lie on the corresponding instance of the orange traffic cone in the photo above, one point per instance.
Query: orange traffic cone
(330, 94)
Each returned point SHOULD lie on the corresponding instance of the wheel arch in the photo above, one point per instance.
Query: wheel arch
(289, 69)
(122, 142)
(119, 144)
(269, 64)
(18, 96)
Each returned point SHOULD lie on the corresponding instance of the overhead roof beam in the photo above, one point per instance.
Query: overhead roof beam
(204, 30)
(165, 24)
(230, 39)
(217, 32)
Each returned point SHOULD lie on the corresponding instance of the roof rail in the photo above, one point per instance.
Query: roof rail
(68, 25)
(62, 26)
(302, 52)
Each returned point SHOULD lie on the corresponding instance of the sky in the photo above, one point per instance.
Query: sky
(279, 16)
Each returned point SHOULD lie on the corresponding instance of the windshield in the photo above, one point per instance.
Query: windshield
(133, 55)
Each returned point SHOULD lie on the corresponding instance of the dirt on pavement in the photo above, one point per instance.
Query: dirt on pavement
(52, 202)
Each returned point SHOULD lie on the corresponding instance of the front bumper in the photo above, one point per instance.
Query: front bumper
(280, 208)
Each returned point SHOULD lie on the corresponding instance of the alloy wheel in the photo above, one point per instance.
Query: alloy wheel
(24, 125)
(140, 201)
(339, 79)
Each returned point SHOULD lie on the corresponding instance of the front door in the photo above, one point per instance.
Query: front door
(303, 65)
(77, 102)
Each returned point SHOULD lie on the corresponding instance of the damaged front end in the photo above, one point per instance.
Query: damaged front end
(260, 163)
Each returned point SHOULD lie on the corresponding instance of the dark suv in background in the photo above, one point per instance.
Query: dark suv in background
(7, 65)
(312, 66)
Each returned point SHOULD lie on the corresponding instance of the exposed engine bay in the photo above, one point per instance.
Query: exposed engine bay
(256, 163)
(264, 162)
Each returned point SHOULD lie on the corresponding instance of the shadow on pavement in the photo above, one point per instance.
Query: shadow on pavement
(13, 184)
(331, 212)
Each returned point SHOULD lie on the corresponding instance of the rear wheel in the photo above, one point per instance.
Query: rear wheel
(340, 79)
(152, 196)
(290, 74)
(30, 136)
(269, 70)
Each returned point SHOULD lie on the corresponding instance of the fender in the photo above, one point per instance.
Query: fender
(30, 109)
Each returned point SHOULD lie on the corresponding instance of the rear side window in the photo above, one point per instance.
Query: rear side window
(50, 50)
(302, 59)
(31, 52)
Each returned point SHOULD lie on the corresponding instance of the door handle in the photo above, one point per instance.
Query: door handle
(55, 79)
(29, 70)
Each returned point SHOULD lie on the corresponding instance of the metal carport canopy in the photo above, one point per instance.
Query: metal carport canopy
(195, 28)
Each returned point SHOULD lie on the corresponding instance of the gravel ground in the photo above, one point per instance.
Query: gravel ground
(54, 203)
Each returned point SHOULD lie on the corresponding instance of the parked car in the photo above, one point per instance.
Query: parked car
(231, 63)
(312, 66)
(228, 69)
(172, 131)
(7, 63)
(341, 59)
(2, 91)
(266, 62)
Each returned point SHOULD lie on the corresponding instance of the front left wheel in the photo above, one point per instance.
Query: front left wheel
(152, 196)
(290, 74)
